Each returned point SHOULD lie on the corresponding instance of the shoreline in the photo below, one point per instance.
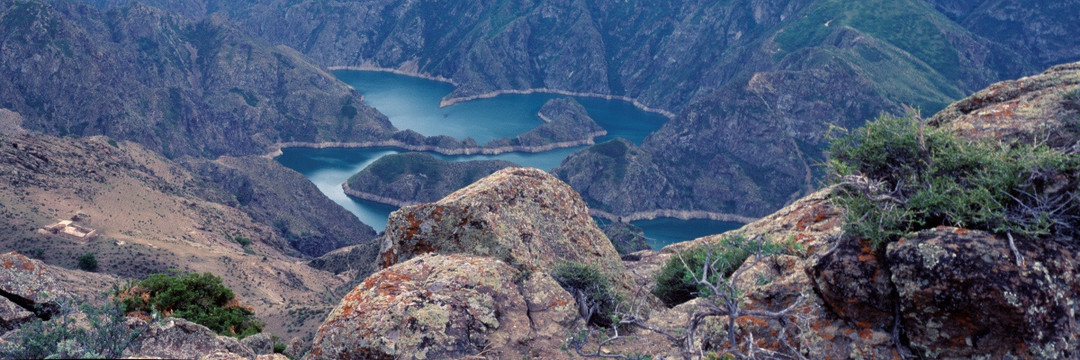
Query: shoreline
(590, 140)
(376, 198)
(400, 71)
(673, 214)
(451, 101)
(412, 69)
(637, 216)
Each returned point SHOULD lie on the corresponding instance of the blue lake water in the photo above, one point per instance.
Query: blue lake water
(413, 103)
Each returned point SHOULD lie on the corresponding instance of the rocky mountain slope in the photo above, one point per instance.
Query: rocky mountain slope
(150, 214)
(177, 86)
(753, 85)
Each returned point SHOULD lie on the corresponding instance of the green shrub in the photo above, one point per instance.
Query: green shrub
(591, 288)
(113, 143)
(199, 298)
(898, 177)
(1072, 100)
(279, 348)
(88, 262)
(243, 241)
(676, 284)
(106, 336)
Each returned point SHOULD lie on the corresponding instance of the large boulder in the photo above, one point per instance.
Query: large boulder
(522, 216)
(962, 294)
(27, 291)
(1042, 107)
(175, 338)
(449, 306)
(854, 283)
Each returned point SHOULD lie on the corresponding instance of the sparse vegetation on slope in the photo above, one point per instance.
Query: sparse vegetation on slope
(899, 176)
(104, 335)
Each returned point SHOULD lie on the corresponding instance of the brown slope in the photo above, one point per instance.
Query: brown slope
(151, 215)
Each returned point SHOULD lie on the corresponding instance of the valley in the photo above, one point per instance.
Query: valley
(873, 179)
(414, 104)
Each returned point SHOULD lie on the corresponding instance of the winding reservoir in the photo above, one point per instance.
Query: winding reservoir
(413, 103)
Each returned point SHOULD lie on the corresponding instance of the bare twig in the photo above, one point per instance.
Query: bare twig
(1016, 253)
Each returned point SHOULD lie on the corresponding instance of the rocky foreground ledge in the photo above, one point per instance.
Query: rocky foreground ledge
(469, 276)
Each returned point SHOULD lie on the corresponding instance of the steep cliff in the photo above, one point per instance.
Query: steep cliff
(277, 196)
(177, 86)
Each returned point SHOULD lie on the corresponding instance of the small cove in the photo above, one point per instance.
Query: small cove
(413, 103)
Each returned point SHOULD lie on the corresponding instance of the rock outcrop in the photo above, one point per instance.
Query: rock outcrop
(522, 216)
(449, 306)
(964, 294)
(1043, 107)
(27, 291)
(174, 338)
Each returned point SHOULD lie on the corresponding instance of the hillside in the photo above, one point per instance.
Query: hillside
(180, 87)
(151, 214)
(754, 85)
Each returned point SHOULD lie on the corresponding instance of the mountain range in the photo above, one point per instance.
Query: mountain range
(753, 86)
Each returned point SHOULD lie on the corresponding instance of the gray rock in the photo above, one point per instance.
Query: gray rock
(962, 294)
(175, 338)
(261, 343)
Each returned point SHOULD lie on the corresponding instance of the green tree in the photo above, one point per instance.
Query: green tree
(88, 262)
(199, 298)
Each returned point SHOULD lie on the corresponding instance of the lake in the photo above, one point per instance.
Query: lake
(413, 103)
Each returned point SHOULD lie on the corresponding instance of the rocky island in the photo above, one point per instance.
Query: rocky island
(566, 124)
(414, 178)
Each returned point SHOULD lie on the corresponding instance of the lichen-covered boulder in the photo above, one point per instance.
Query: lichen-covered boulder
(1042, 107)
(175, 338)
(855, 283)
(522, 216)
(448, 306)
(962, 295)
(29, 290)
(261, 343)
